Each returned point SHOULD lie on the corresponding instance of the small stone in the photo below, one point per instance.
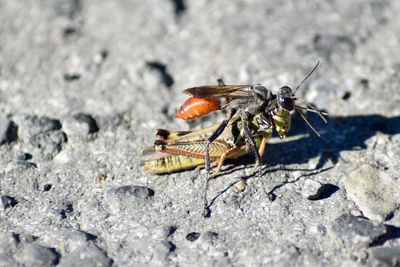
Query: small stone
(357, 231)
(47, 187)
(72, 239)
(126, 196)
(8, 242)
(80, 125)
(162, 249)
(101, 178)
(48, 144)
(193, 236)
(312, 189)
(7, 202)
(209, 237)
(389, 256)
(8, 245)
(22, 156)
(74, 67)
(35, 255)
(86, 256)
(162, 232)
(8, 131)
(30, 125)
(240, 186)
(375, 193)
(42, 135)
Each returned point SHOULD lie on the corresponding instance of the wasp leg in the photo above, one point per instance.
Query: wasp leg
(213, 136)
(251, 141)
(206, 210)
(220, 81)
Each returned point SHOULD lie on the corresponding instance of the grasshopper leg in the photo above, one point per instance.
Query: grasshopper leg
(261, 151)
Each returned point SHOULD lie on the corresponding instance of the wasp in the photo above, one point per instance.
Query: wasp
(253, 112)
(245, 101)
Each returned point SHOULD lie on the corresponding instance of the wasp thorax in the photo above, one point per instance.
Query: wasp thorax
(261, 91)
(286, 98)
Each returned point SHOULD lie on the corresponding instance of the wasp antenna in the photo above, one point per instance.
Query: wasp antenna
(220, 82)
(308, 123)
(314, 110)
(308, 75)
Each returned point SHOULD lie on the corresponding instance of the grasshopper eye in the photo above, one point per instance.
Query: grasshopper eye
(286, 98)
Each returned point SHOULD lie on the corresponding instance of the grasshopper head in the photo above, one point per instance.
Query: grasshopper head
(282, 121)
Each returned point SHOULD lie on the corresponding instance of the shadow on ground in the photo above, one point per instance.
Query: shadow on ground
(340, 134)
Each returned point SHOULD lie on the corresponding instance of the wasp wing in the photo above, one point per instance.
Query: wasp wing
(227, 91)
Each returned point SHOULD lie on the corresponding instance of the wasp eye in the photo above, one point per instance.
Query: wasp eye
(286, 98)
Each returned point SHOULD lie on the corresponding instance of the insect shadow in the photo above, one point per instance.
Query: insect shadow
(340, 134)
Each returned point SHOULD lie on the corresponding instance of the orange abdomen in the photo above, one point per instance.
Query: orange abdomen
(196, 107)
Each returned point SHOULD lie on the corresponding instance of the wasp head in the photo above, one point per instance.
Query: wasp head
(286, 98)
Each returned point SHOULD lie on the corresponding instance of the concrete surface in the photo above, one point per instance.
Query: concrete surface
(84, 84)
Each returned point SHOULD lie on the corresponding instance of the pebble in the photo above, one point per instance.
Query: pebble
(8, 131)
(386, 256)
(162, 232)
(240, 186)
(42, 135)
(312, 189)
(127, 196)
(86, 256)
(8, 245)
(163, 249)
(357, 231)
(30, 125)
(375, 193)
(209, 237)
(193, 236)
(35, 255)
(7, 202)
(80, 125)
(48, 144)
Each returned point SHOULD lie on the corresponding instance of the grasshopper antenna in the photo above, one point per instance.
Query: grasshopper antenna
(308, 75)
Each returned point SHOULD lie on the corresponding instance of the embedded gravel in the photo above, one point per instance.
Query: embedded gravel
(84, 84)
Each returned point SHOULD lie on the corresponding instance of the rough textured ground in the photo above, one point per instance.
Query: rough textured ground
(84, 84)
